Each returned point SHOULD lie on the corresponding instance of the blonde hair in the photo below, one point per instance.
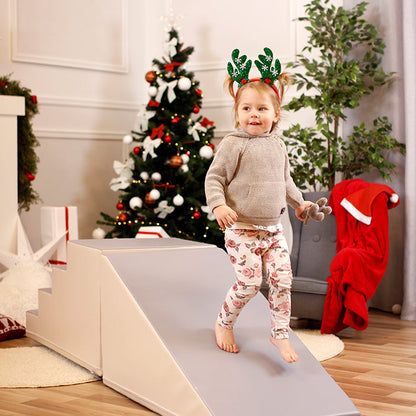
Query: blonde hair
(261, 87)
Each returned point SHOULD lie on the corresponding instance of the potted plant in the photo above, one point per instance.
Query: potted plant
(347, 68)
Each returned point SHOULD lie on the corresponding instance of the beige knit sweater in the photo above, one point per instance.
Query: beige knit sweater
(251, 175)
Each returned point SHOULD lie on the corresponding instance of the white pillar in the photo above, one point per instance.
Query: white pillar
(10, 108)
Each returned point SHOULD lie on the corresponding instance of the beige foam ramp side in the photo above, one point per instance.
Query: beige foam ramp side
(68, 318)
(135, 360)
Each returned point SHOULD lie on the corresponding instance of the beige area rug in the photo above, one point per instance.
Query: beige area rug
(322, 346)
(39, 367)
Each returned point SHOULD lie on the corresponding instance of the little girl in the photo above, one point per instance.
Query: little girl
(247, 188)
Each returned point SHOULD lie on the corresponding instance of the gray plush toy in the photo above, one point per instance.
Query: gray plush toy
(316, 211)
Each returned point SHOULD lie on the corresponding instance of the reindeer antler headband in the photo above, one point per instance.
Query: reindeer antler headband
(242, 68)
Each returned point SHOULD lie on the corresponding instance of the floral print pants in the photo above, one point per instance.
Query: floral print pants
(251, 252)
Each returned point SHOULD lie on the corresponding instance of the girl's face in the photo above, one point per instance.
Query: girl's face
(255, 112)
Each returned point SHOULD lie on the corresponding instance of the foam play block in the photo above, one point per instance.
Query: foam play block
(158, 303)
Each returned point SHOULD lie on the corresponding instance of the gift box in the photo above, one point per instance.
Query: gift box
(54, 222)
(152, 232)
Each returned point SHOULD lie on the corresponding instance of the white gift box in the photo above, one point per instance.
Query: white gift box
(54, 222)
(152, 232)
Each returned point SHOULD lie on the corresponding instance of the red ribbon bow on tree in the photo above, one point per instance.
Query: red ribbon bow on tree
(157, 131)
(170, 67)
(205, 122)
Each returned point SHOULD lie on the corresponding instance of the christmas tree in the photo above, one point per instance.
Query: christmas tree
(161, 182)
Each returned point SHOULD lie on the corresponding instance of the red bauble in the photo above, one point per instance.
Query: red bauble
(29, 177)
(197, 215)
(136, 150)
(199, 93)
(149, 200)
(176, 161)
(122, 217)
(196, 109)
(120, 206)
(167, 138)
(150, 76)
(211, 146)
(176, 120)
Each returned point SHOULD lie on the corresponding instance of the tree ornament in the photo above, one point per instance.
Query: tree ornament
(154, 194)
(152, 91)
(127, 139)
(98, 233)
(122, 217)
(167, 138)
(144, 176)
(178, 200)
(163, 209)
(206, 152)
(150, 76)
(184, 168)
(184, 84)
(136, 150)
(29, 176)
(149, 200)
(199, 93)
(197, 215)
(120, 206)
(176, 120)
(135, 202)
(196, 109)
(156, 176)
(176, 161)
(185, 158)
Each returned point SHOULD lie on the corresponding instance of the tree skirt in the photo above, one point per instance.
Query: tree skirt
(39, 367)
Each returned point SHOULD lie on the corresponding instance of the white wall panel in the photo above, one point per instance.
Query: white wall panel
(78, 33)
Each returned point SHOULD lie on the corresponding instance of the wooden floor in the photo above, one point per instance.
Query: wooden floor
(377, 370)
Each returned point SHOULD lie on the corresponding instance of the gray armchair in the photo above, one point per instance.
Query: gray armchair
(313, 248)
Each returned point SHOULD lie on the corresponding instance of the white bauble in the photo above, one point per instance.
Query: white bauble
(98, 233)
(156, 176)
(135, 202)
(184, 84)
(144, 176)
(184, 168)
(154, 194)
(185, 158)
(178, 200)
(206, 152)
(152, 91)
(127, 139)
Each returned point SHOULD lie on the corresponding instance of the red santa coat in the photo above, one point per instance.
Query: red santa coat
(361, 213)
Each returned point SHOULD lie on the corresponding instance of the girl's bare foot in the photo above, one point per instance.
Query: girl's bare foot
(225, 338)
(285, 348)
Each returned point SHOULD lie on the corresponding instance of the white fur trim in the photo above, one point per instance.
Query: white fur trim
(394, 198)
(355, 212)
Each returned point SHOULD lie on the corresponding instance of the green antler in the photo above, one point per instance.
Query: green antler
(265, 66)
(242, 68)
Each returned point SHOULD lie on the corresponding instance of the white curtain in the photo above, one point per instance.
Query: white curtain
(409, 61)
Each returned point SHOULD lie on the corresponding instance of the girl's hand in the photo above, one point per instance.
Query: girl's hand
(225, 216)
(299, 211)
